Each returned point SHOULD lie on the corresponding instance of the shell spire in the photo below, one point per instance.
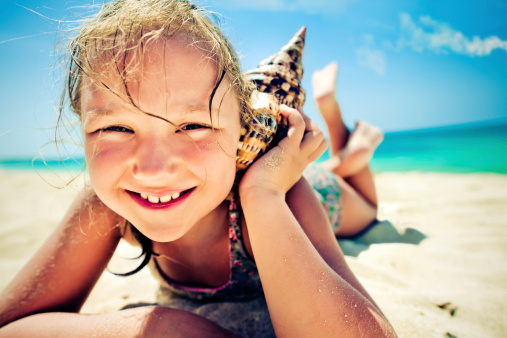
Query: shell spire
(281, 74)
(278, 80)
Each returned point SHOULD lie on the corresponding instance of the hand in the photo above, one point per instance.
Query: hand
(282, 166)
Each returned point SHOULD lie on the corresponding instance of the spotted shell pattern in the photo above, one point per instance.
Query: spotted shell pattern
(278, 79)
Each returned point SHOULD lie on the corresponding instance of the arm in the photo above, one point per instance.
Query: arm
(309, 289)
(44, 298)
(312, 218)
(148, 321)
(62, 273)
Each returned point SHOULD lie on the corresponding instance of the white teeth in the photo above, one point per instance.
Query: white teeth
(153, 199)
(164, 199)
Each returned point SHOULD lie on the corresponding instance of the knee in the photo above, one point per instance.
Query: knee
(357, 215)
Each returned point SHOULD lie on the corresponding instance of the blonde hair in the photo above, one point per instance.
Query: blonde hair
(126, 26)
(123, 26)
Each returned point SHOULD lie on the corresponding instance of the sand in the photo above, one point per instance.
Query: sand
(452, 283)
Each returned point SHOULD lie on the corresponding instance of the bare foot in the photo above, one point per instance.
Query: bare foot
(364, 136)
(324, 85)
(350, 152)
(359, 149)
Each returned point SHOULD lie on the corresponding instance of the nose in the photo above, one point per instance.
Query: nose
(157, 157)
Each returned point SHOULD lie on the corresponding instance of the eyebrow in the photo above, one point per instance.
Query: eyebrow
(186, 111)
(94, 113)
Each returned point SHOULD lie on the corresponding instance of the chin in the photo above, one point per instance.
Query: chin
(157, 231)
(162, 235)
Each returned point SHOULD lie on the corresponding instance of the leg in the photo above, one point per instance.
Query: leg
(350, 155)
(358, 151)
(324, 87)
(350, 152)
(357, 212)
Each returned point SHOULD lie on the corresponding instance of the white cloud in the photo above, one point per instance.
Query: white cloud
(369, 57)
(306, 6)
(439, 37)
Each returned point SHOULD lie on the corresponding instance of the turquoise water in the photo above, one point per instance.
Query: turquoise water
(42, 165)
(461, 149)
(479, 147)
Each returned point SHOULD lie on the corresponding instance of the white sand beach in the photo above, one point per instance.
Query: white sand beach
(452, 284)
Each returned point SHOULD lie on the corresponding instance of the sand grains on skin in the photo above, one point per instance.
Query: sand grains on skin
(458, 266)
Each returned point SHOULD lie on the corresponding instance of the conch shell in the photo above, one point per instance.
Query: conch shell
(278, 79)
(281, 74)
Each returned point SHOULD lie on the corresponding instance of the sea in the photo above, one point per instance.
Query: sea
(479, 147)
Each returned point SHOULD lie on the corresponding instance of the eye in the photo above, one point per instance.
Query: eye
(119, 129)
(194, 126)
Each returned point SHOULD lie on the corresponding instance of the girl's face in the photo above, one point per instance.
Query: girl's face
(163, 178)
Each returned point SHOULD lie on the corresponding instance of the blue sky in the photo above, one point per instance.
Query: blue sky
(404, 64)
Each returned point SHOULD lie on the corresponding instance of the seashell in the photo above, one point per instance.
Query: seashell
(281, 73)
(278, 79)
(255, 140)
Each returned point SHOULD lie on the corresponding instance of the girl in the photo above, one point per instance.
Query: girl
(161, 99)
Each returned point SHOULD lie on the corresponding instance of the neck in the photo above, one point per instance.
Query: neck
(208, 231)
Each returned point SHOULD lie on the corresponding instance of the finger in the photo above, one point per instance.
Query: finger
(296, 123)
(309, 123)
(321, 149)
(311, 127)
(312, 140)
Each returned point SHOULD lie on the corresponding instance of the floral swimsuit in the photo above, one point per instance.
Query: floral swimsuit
(244, 281)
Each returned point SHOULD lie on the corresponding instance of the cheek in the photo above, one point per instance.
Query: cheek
(224, 141)
(104, 158)
(219, 154)
(109, 148)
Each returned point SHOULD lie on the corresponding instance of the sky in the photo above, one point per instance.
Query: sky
(403, 64)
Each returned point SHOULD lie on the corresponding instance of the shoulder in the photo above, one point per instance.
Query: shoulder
(72, 258)
(91, 215)
(99, 217)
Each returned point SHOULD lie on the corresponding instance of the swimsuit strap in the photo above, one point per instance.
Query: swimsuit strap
(244, 270)
(239, 254)
(243, 282)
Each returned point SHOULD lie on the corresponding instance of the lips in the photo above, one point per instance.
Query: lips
(158, 202)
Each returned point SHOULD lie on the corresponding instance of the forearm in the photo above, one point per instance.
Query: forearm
(305, 296)
(137, 322)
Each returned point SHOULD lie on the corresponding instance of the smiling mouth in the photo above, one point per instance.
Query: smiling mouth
(159, 201)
